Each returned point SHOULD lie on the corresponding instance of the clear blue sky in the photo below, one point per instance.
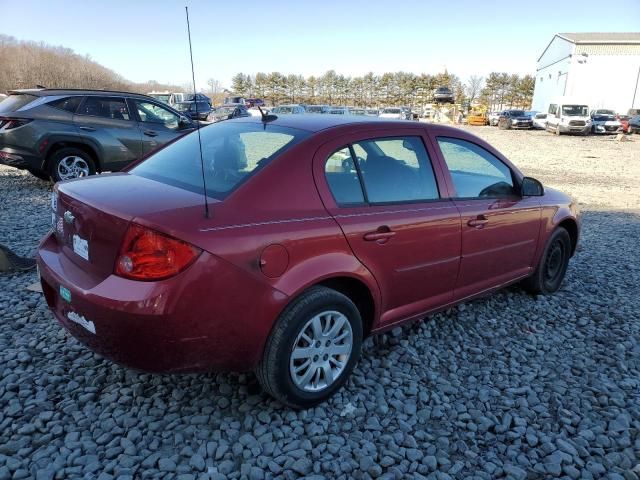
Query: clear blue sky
(146, 40)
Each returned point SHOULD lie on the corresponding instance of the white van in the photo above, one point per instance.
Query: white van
(568, 115)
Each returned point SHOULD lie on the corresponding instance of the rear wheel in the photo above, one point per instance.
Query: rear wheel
(312, 349)
(552, 266)
(70, 163)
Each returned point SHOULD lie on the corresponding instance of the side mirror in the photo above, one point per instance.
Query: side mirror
(531, 187)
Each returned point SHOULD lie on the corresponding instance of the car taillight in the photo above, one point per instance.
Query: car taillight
(149, 255)
(11, 123)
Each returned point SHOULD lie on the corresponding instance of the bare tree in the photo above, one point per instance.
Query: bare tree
(473, 87)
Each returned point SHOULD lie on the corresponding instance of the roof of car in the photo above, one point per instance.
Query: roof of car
(316, 123)
(42, 92)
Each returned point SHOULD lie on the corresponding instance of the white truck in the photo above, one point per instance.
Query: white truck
(568, 115)
(170, 98)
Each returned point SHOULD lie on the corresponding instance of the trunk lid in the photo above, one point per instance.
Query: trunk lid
(92, 214)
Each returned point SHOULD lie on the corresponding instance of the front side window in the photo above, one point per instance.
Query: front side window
(552, 109)
(106, 107)
(396, 170)
(475, 172)
(232, 152)
(342, 177)
(154, 113)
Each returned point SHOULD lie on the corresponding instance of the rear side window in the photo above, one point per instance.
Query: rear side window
(68, 104)
(14, 102)
(232, 152)
(396, 170)
(342, 177)
(106, 107)
(475, 172)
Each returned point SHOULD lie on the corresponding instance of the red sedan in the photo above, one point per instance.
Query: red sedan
(321, 230)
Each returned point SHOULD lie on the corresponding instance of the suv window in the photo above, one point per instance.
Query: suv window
(342, 177)
(396, 170)
(68, 104)
(552, 109)
(16, 101)
(475, 172)
(107, 107)
(154, 113)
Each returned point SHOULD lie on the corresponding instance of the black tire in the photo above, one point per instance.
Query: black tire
(63, 153)
(273, 372)
(552, 267)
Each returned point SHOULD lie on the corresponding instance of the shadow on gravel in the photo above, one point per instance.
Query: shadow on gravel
(512, 385)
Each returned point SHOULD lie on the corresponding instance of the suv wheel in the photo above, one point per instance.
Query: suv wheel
(312, 349)
(70, 163)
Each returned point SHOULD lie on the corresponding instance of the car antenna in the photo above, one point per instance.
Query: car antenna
(193, 77)
(267, 117)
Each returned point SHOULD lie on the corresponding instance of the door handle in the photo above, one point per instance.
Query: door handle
(150, 133)
(88, 129)
(478, 222)
(381, 235)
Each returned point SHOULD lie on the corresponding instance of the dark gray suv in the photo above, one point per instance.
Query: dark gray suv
(66, 134)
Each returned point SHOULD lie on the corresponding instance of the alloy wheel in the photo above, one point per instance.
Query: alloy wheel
(321, 351)
(72, 167)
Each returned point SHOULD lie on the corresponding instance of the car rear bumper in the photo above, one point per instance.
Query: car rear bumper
(199, 320)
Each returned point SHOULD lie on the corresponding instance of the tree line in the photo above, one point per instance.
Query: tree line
(500, 90)
(26, 64)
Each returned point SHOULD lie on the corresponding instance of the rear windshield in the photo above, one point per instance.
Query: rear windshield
(232, 152)
(14, 102)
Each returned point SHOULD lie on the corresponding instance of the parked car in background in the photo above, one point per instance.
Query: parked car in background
(254, 102)
(568, 115)
(227, 112)
(604, 121)
(634, 126)
(196, 110)
(65, 134)
(632, 112)
(309, 249)
(340, 111)
(392, 113)
(233, 100)
(493, 118)
(357, 111)
(540, 121)
(443, 95)
(318, 109)
(288, 109)
(514, 119)
(373, 112)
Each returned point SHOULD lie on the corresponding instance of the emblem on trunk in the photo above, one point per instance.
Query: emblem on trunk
(68, 217)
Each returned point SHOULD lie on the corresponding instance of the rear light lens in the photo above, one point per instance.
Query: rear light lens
(11, 123)
(149, 255)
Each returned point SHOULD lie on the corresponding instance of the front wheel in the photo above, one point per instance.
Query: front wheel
(312, 349)
(552, 266)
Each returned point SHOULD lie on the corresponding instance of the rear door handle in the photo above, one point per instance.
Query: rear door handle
(478, 222)
(150, 133)
(381, 235)
(88, 129)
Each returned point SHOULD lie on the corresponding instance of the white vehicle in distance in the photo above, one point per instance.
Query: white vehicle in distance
(169, 98)
(605, 121)
(318, 109)
(540, 121)
(493, 118)
(357, 111)
(372, 112)
(395, 113)
(288, 109)
(568, 115)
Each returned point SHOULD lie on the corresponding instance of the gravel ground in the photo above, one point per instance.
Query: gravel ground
(511, 386)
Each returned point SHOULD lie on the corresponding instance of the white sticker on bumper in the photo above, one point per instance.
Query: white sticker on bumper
(83, 322)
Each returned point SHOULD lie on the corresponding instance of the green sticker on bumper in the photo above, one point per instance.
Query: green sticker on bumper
(65, 294)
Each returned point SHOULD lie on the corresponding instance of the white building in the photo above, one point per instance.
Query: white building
(601, 69)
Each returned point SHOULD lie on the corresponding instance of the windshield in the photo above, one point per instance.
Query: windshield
(391, 110)
(575, 110)
(225, 110)
(232, 152)
(517, 113)
(162, 97)
(315, 109)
